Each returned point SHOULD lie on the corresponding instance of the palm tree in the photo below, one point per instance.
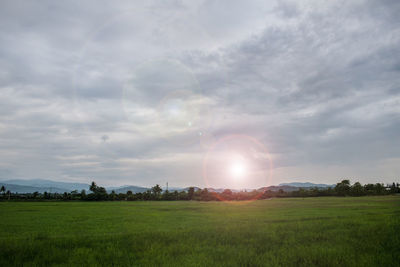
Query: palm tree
(93, 187)
(156, 190)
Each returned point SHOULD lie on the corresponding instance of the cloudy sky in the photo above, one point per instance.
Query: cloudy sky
(200, 92)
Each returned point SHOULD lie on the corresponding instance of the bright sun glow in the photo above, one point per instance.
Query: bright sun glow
(238, 169)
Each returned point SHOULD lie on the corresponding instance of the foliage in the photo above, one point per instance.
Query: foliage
(344, 188)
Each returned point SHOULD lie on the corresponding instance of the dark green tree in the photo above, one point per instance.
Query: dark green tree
(175, 195)
(147, 195)
(393, 188)
(156, 190)
(166, 195)
(369, 189)
(99, 193)
(113, 195)
(380, 189)
(204, 195)
(183, 195)
(357, 189)
(343, 188)
(93, 187)
(129, 195)
(83, 194)
(191, 193)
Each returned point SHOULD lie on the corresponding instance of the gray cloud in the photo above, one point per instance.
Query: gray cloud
(138, 93)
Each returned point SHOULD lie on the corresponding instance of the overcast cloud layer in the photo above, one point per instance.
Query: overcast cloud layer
(141, 93)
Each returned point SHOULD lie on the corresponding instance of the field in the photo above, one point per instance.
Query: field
(332, 231)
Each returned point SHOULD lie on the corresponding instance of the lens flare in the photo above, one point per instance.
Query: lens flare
(180, 111)
(237, 162)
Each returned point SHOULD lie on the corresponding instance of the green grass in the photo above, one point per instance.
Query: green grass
(321, 231)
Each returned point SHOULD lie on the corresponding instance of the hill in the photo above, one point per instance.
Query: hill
(124, 189)
(286, 188)
(306, 185)
(42, 183)
(31, 189)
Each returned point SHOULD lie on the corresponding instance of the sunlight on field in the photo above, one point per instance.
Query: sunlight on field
(325, 231)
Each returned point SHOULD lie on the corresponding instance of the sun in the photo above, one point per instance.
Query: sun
(238, 169)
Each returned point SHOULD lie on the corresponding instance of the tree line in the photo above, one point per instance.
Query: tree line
(98, 193)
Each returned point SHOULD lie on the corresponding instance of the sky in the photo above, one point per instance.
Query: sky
(229, 93)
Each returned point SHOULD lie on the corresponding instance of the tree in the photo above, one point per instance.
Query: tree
(147, 195)
(176, 195)
(369, 189)
(357, 189)
(101, 190)
(393, 188)
(379, 189)
(204, 195)
(93, 187)
(129, 195)
(3, 190)
(227, 194)
(183, 195)
(156, 191)
(99, 193)
(191, 193)
(343, 188)
(113, 195)
(346, 182)
(83, 194)
(166, 195)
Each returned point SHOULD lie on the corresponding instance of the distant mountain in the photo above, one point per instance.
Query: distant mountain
(124, 189)
(220, 190)
(187, 189)
(274, 188)
(305, 185)
(41, 183)
(31, 189)
(41, 186)
(215, 190)
(172, 189)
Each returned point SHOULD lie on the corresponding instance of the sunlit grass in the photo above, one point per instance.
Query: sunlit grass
(280, 232)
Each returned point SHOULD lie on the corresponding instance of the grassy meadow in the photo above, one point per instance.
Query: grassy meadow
(324, 231)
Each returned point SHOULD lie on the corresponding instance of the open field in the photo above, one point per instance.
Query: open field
(332, 231)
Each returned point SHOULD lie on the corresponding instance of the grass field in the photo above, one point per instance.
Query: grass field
(332, 231)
